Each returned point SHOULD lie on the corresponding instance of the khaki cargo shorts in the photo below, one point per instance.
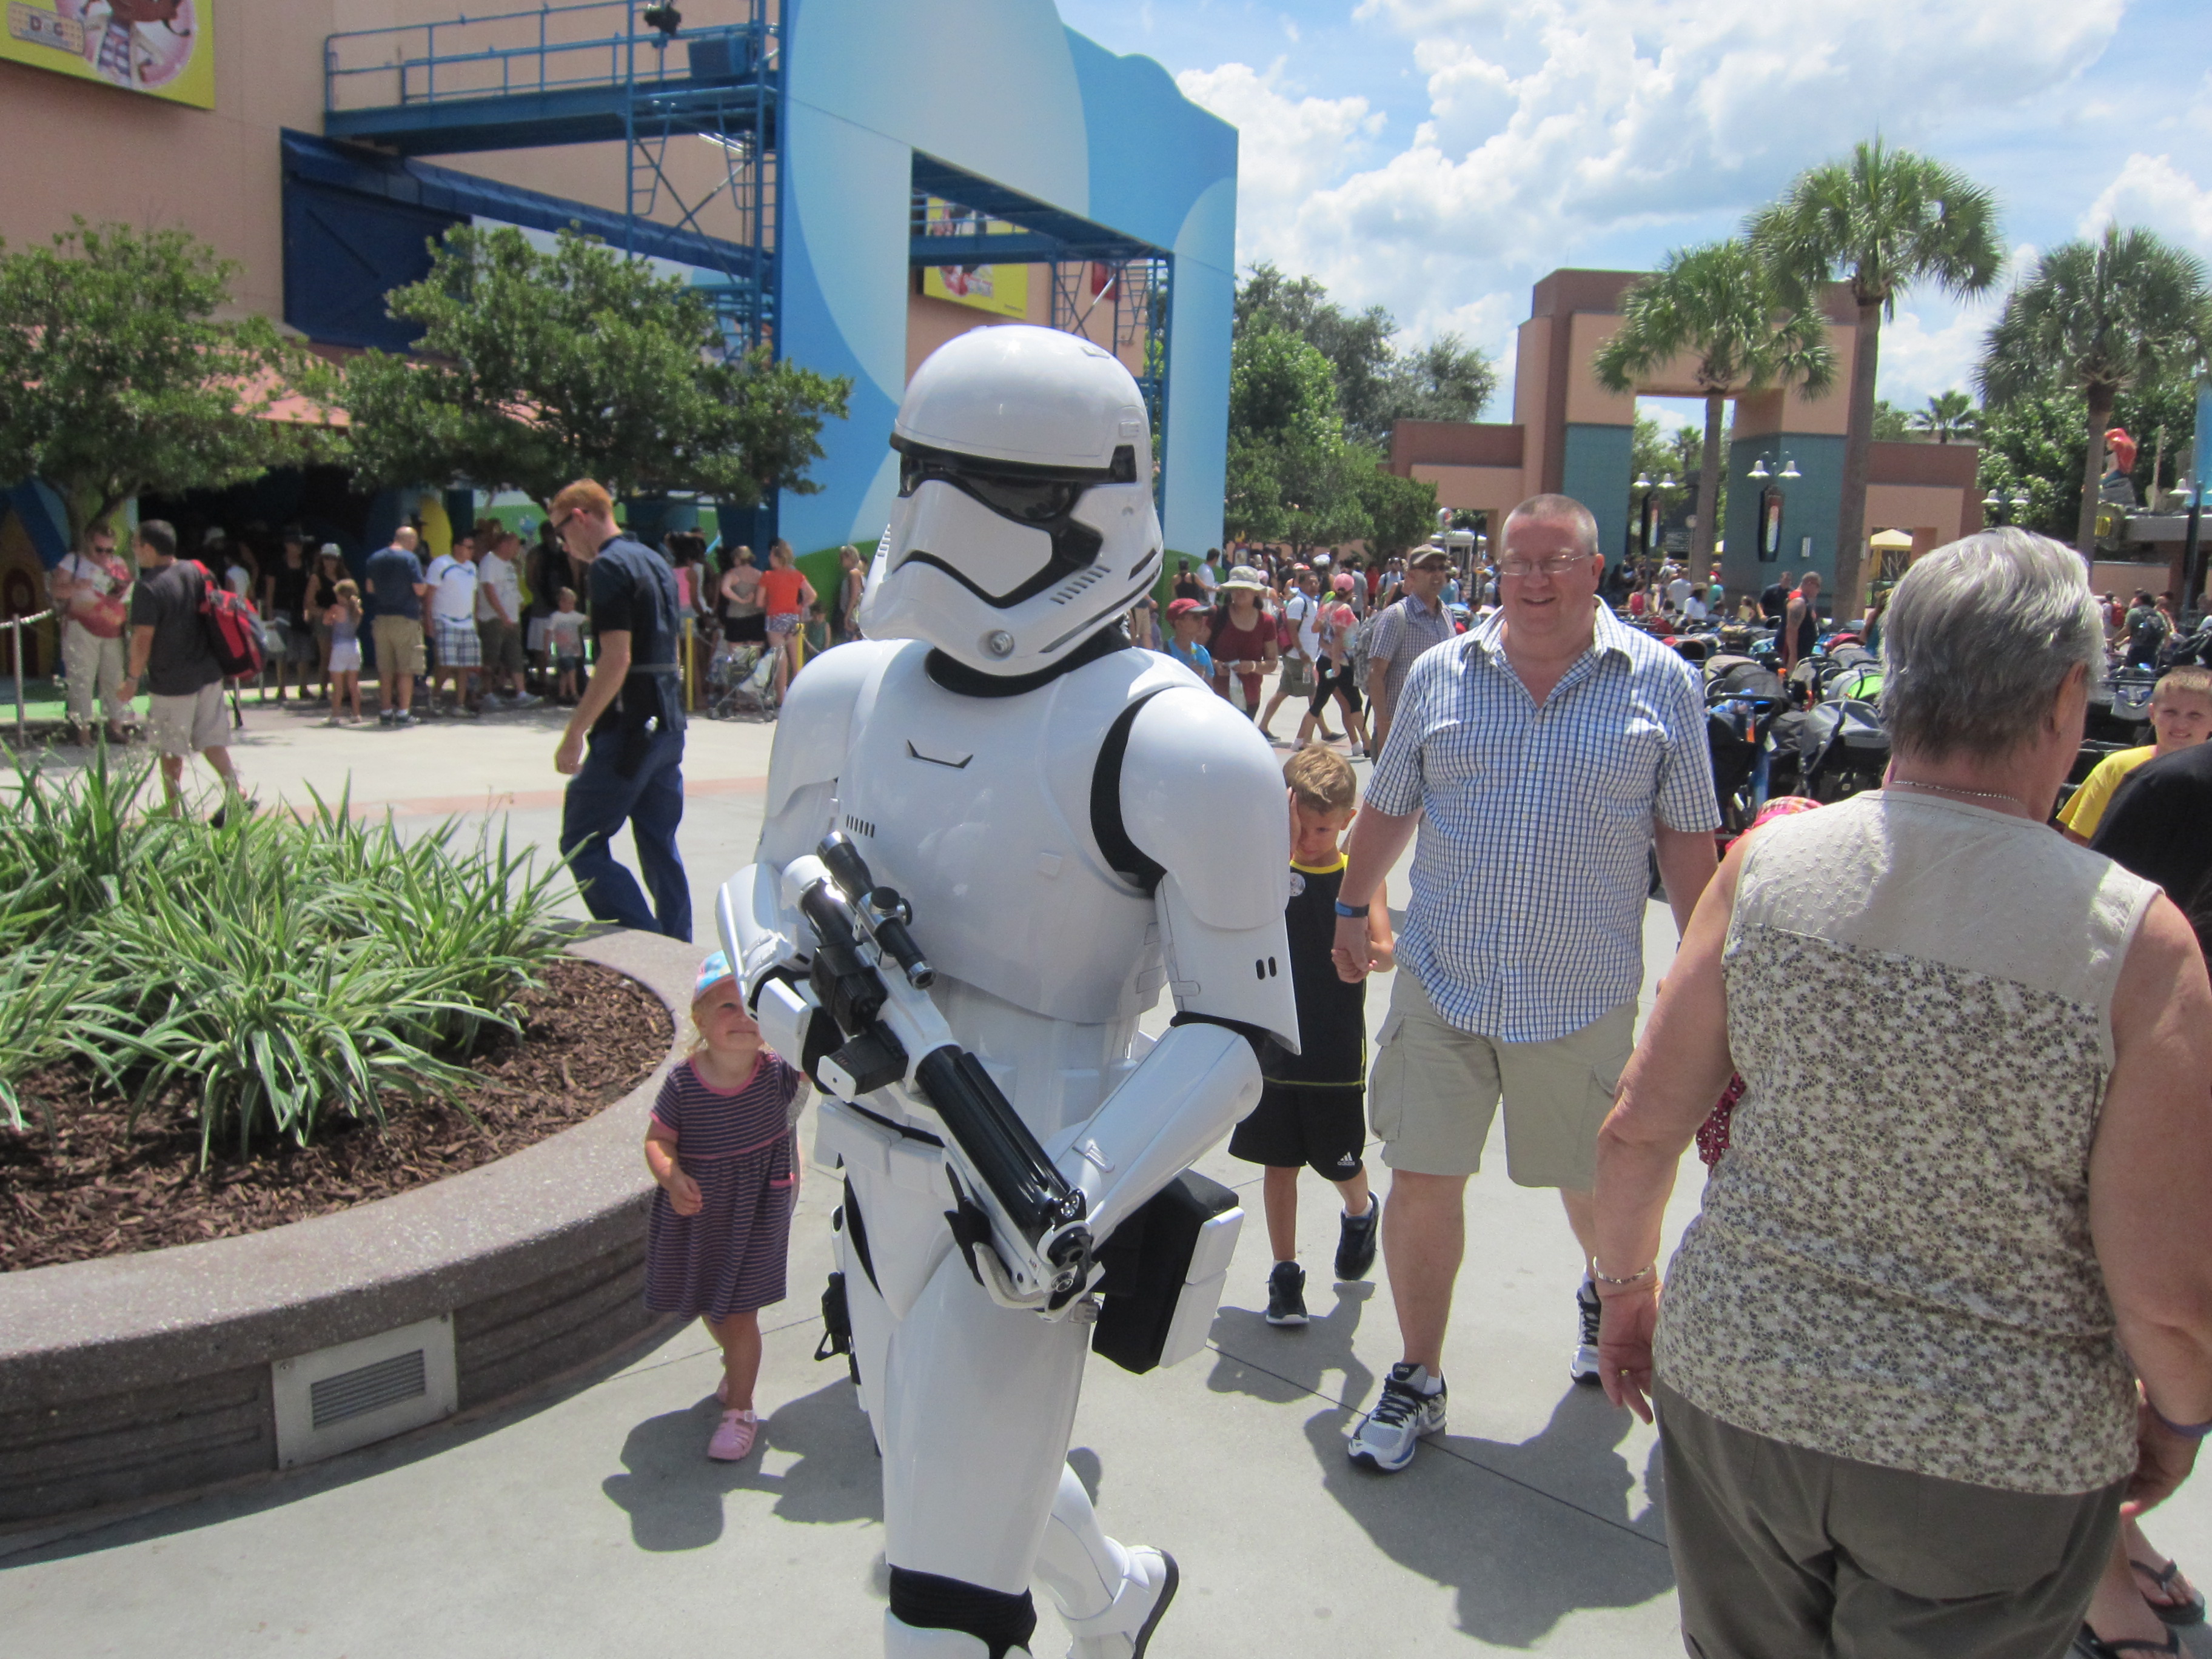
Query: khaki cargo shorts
(398, 647)
(182, 727)
(1436, 1089)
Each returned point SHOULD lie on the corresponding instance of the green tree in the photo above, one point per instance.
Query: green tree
(1884, 222)
(1377, 385)
(1401, 513)
(116, 379)
(2035, 444)
(1949, 415)
(1719, 304)
(1292, 475)
(2098, 318)
(1892, 425)
(535, 369)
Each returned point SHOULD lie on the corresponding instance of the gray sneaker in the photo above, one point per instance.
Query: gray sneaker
(1584, 1366)
(1386, 1437)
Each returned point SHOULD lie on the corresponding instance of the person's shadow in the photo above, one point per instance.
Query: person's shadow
(1282, 1366)
(1527, 1533)
(675, 1496)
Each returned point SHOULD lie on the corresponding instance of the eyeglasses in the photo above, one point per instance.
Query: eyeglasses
(1557, 565)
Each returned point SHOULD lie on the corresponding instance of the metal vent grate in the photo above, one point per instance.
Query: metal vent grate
(371, 1388)
(354, 1393)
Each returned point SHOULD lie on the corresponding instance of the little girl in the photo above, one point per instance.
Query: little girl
(724, 1150)
(343, 618)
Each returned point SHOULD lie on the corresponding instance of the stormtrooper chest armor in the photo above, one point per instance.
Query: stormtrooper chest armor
(980, 812)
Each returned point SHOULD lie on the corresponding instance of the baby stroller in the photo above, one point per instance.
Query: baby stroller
(1843, 748)
(1743, 700)
(740, 680)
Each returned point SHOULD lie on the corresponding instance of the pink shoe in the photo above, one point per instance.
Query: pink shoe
(734, 1438)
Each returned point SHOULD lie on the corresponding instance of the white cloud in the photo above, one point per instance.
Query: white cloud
(1918, 361)
(1557, 132)
(2150, 190)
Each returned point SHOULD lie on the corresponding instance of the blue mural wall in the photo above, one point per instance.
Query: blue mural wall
(1001, 89)
(1595, 468)
(1809, 506)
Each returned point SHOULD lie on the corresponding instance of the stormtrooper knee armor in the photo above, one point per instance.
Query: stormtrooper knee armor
(1057, 827)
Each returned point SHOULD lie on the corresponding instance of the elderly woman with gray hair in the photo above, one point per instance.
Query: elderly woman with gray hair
(1948, 1307)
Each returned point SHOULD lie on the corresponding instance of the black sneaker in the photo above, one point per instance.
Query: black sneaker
(1286, 1294)
(1355, 1238)
(1584, 1367)
(384, 716)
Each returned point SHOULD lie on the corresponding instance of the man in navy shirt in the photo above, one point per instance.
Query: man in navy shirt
(396, 588)
(623, 750)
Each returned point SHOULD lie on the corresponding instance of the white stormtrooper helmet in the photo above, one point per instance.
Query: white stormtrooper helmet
(1025, 521)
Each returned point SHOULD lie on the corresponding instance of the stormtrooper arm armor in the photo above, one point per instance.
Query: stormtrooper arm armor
(1202, 803)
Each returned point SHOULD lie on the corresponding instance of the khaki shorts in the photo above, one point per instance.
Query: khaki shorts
(1436, 1089)
(1297, 677)
(183, 727)
(398, 647)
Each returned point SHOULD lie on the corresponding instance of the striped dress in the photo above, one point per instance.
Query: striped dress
(741, 1148)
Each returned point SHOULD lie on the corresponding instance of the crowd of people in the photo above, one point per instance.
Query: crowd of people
(1942, 1329)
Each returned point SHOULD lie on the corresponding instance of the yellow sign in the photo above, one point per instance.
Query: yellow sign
(165, 48)
(1001, 289)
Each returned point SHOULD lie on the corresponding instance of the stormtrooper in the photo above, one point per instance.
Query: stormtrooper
(994, 833)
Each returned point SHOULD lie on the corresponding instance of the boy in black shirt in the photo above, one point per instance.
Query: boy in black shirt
(1312, 1106)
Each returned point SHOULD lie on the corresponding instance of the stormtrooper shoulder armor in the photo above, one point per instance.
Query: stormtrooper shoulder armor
(814, 727)
(1192, 765)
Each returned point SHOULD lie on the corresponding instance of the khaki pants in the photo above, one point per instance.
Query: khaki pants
(1786, 1553)
(92, 663)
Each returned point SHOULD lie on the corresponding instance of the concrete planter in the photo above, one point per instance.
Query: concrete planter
(143, 1377)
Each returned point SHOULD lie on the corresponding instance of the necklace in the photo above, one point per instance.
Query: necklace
(1948, 789)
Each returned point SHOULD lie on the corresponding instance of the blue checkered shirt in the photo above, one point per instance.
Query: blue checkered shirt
(1525, 920)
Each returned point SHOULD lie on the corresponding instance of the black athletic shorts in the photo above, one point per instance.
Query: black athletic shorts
(1322, 1125)
(746, 630)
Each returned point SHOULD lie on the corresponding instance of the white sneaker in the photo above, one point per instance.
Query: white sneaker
(1135, 1612)
(524, 699)
(1408, 1409)
(1584, 1367)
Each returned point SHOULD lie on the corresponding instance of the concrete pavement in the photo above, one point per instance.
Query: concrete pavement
(585, 1521)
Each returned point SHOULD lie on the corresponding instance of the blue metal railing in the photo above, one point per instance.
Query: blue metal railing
(551, 49)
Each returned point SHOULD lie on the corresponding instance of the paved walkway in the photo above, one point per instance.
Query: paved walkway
(586, 1522)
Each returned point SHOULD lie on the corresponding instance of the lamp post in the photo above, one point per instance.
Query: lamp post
(1993, 508)
(1767, 544)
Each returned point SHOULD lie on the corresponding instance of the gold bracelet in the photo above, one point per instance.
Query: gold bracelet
(1605, 1278)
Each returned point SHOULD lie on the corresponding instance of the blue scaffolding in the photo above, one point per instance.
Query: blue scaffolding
(606, 71)
(584, 74)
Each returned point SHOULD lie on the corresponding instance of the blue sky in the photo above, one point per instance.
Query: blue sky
(1439, 156)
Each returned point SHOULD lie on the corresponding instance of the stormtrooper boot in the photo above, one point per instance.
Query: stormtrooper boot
(904, 1641)
(1125, 1627)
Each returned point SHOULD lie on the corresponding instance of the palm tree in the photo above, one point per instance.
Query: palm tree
(1949, 415)
(1720, 302)
(1882, 221)
(2098, 318)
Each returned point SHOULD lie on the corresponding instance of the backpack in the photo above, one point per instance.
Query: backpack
(1286, 625)
(233, 631)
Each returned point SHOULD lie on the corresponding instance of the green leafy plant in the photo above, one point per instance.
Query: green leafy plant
(285, 967)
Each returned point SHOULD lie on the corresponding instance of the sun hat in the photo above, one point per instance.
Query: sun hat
(1245, 576)
(712, 972)
(1428, 555)
(1183, 608)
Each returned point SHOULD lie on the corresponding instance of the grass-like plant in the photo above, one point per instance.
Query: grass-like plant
(284, 968)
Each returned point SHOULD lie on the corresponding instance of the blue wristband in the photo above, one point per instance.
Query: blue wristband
(1344, 909)
(2186, 1430)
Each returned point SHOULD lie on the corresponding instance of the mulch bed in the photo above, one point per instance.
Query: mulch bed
(588, 1038)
